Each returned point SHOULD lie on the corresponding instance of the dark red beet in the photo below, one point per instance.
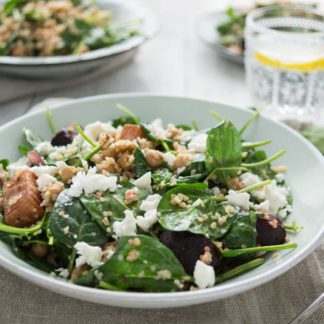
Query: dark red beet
(270, 231)
(63, 137)
(188, 248)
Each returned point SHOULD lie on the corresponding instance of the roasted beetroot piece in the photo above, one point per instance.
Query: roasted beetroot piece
(64, 137)
(131, 132)
(270, 231)
(22, 200)
(35, 158)
(189, 248)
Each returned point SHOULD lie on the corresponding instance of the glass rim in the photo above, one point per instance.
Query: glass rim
(252, 23)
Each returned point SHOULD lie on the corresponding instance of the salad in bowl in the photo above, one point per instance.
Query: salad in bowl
(132, 205)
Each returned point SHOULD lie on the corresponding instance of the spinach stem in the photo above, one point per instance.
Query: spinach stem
(194, 125)
(293, 227)
(50, 121)
(255, 186)
(22, 231)
(128, 112)
(71, 260)
(216, 115)
(239, 270)
(249, 121)
(83, 134)
(92, 152)
(249, 145)
(241, 168)
(106, 285)
(236, 252)
(244, 155)
(266, 161)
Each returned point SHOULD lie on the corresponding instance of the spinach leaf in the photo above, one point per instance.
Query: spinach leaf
(211, 218)
(4, 163)
(264, 171)
(70, 223)
(224, 149)
(12, 4)
(121, 121)
(242, 232)
(31, 138)
(113, 203)
(149, 135)
(141, 166)
(197, 166)
(23, 149)
(143, 263)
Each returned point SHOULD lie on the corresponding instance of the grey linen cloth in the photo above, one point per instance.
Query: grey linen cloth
(276, 302)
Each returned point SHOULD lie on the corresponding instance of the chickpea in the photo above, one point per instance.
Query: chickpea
(182, 160)
(39, 250)
(154, 158)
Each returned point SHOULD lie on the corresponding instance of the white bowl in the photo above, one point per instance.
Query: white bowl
(67, 66)
(305, 176)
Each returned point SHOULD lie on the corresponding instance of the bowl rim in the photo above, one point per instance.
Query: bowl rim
(131, 43)
(187, 297)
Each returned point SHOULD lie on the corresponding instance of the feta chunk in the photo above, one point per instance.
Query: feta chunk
(94, 130)
(169, 158)
(277, 197)
(45, 180)
(280, 177)
(198, 143)
(21, 164)
(156, 127)
(151, 202)
(125, 227)
(88, 254)
(144, 182)
(145, 222)
(44, 169)
(264, 206)
(249, 179)
(241, 200)
(216, 192)
(44, 148)
(204, 275)
(91, 182)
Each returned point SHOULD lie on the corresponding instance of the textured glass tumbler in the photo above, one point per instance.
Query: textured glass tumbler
(285, 62)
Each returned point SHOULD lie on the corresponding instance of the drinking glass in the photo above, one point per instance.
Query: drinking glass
(285, 62)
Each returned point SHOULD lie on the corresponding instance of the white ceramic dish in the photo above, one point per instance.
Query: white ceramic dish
(71, 65)
(206, 28)
(305, 175)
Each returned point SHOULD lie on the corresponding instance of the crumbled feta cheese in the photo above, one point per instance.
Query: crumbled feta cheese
(45, 180)
(44, 148)
(156, 127)
(216, 192)
(64, 273)
(125, 227)
(44, 169)
(264, 206)
(93, 130)
(204, 275)
(151, 202)
(180, 170)
(169, 158)
(241, 200)
(88, 254)
(144, 182)
(197, 203)
(277, 197)
(91, 182)
(187, 135)
(145, 222)
(21, 164)
(283, 213)
(198, 143)
(280, 177)
(249, 179)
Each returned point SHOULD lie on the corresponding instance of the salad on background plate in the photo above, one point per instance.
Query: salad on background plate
(126, 205)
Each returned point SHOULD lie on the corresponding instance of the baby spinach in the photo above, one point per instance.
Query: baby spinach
(141, 166)
(242, 232)
(70, 223)
(264, 171)
(23, 149)
(143, 263)
(31, 138)
(209, 218)
(224, 150)
(4, 163)
(121, 121)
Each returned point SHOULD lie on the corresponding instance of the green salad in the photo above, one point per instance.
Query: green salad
(58, 27)
(134, 206)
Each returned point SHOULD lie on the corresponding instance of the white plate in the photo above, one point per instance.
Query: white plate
(207, 31)
(305, 175)
(72, 65)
